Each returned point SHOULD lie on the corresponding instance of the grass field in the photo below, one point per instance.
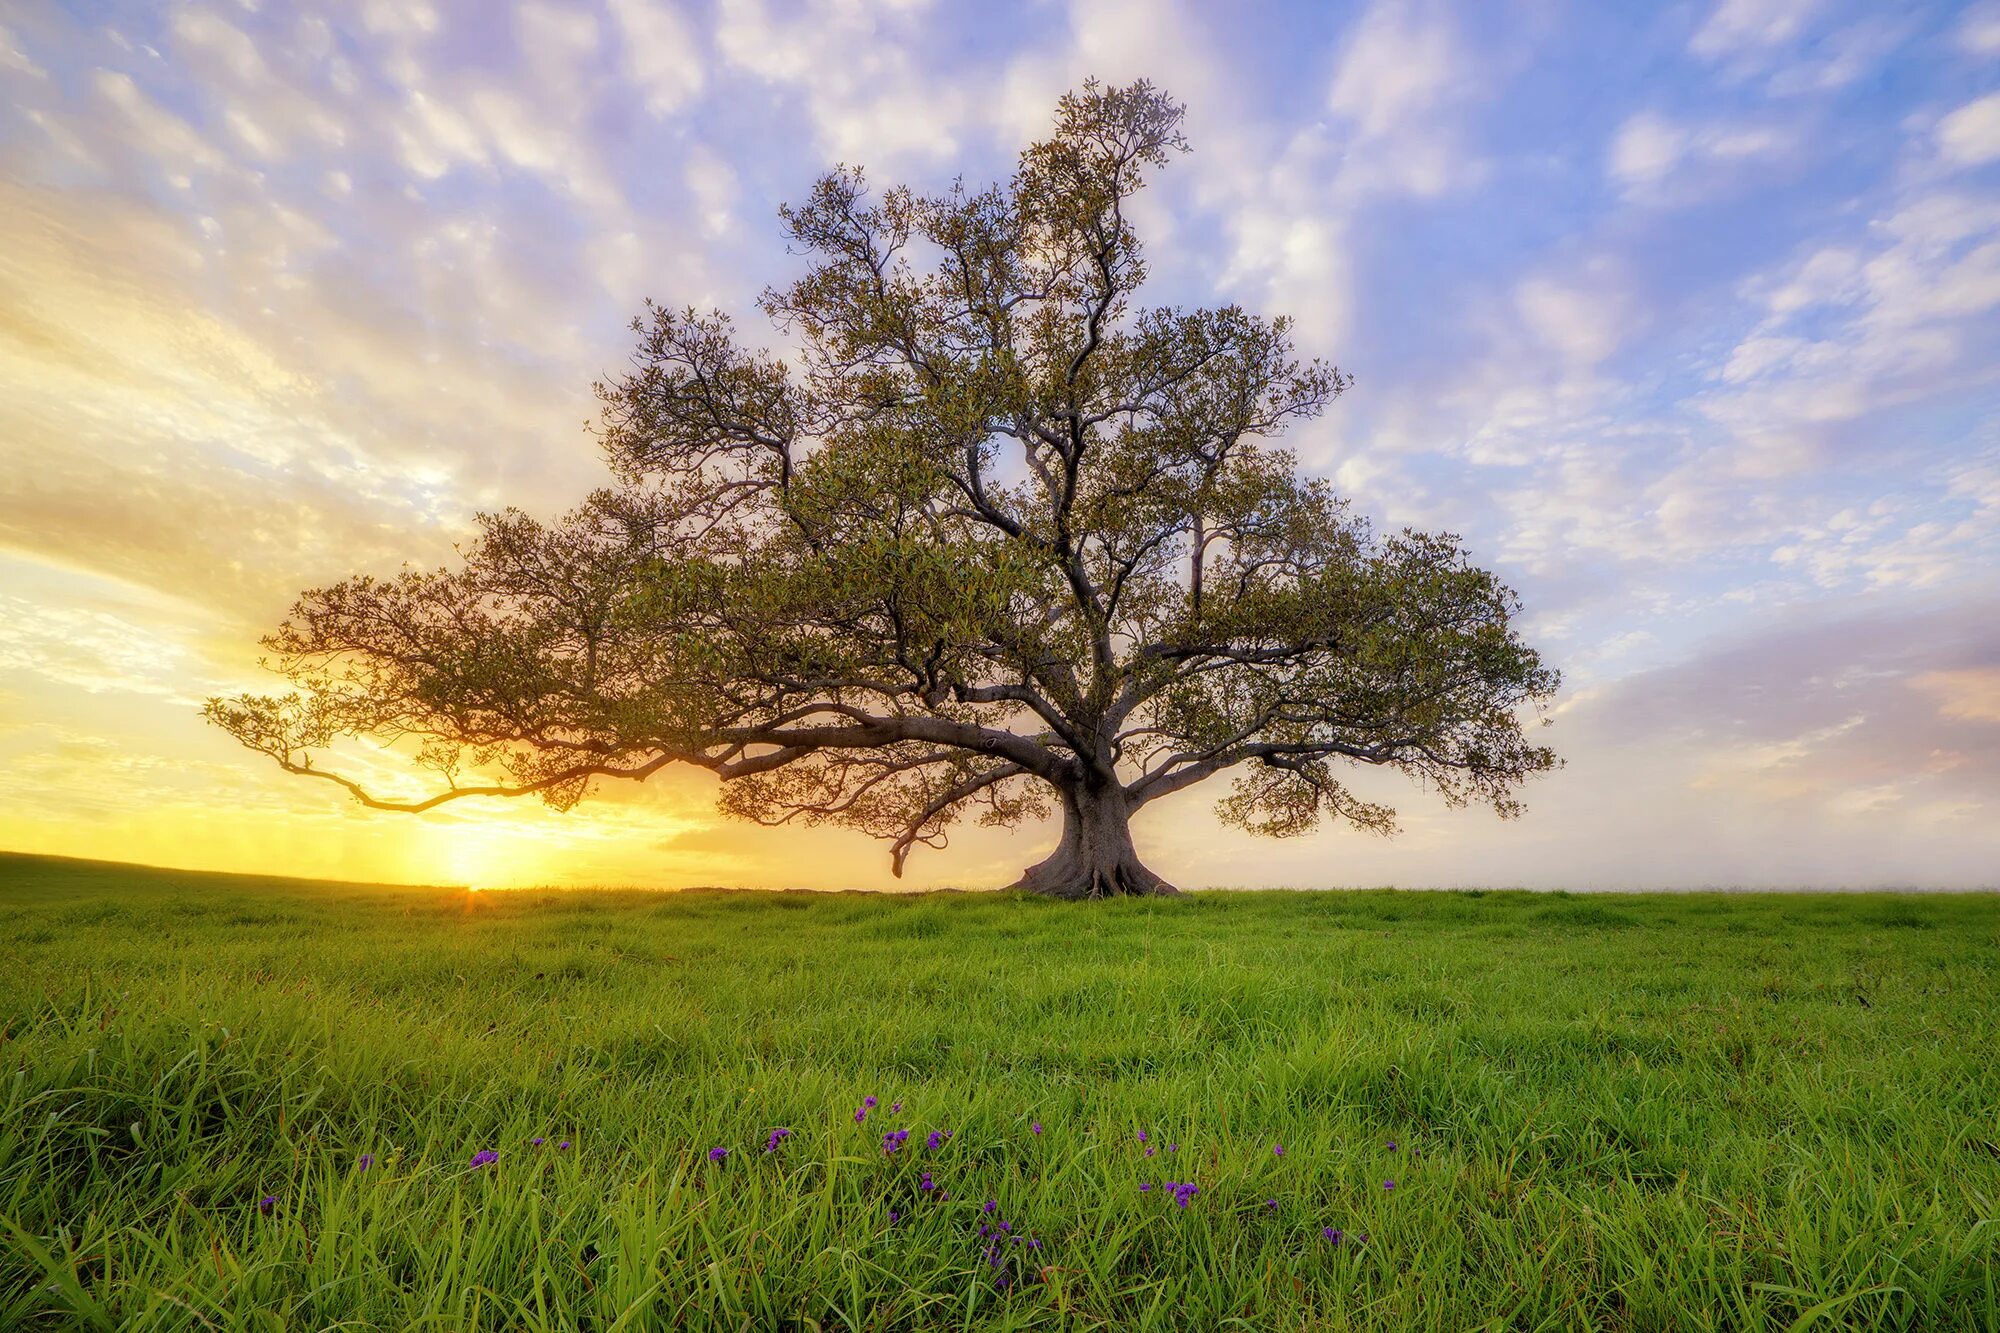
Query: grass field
(1633, 1112)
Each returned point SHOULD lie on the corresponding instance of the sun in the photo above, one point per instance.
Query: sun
(488, 853)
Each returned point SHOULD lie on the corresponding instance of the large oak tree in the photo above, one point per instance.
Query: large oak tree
(1000, 542)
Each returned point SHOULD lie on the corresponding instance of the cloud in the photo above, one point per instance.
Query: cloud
(1651, 152)
(1970, 135)
(1971, 695)
(658, 53)
(869, 92)
(1401, 60)
(1979, 31)
(1402, 67)
(1581, 317)
(1736, 26)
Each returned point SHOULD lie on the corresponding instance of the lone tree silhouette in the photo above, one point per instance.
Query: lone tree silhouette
(1001, 542)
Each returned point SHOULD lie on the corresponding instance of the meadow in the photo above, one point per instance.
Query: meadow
(240, 1103)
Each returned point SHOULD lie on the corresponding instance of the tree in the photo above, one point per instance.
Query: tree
(1001, 542)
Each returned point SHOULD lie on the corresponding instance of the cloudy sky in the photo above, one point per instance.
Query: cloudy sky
(1685, 314)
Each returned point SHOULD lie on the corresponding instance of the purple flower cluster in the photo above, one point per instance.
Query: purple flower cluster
(1009, 1264)
(266, 1204)
(998, 1234)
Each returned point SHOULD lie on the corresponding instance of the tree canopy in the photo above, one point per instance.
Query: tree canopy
(997, 542)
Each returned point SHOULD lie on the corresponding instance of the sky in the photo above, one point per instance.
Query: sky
(1685, 315)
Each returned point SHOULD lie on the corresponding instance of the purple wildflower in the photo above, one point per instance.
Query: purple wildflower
(267, 1203)
(990, 1206)
(927, 1183)
(1036, 1127)
(717, 1154)
(1034, 1244)
(1277, 1150)
(894, 1217)
(1007, 1226)
(485, 1157)
(1270, 1205)
(777, 1137)
(936, 1139)
(1392, 1145)
(563, 1146)
(1142, 1136)
(869, 1101)
(364, 1161)
(1331, 1233)
(860, 1114)
(1144, 1186)
(1173, 1147)
(1150, 1151)
(538, 1142)
(1388, 1184)
(895, 1108)
(893, 1140)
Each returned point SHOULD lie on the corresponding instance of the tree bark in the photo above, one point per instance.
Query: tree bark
(1095, 858)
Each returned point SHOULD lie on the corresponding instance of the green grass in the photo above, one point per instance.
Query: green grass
(1629, 1112)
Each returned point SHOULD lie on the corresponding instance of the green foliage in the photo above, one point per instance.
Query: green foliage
(1739, 1112)
(997, 535)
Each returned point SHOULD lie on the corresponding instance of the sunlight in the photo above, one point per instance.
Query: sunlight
(485, 853)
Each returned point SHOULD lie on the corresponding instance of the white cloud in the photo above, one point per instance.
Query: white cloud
(557, 42)
(869, 94)
(1735, 26)
(1839, 59)
(1653, 156)
(166, 137)
(1971, 134)
(1401, 60)
(1583, 317)
(1979, 32)
(658, 52)
(400, 18)
(1646, 148)
(712, 181)
(14, 58)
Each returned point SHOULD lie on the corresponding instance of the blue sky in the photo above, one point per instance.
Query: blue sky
(1684, 314)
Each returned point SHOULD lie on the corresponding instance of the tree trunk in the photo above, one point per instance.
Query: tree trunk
(1095, 858)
